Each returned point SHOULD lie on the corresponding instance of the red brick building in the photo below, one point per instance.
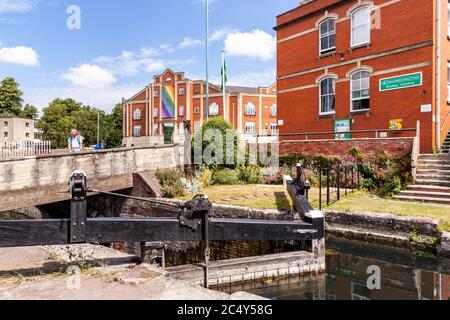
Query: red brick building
(157, 114)
(365, 65)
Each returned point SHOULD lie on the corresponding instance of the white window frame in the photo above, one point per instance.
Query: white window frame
(448, 19)
(448, 81)
(327, 34)
(155, 129)
(250, 109)
(251, 125)
(137, 115)
(181, 91)
(135, 128)
(273, 110)
(214, 109)
(352, 27)
(181, 127)
(181, 111)
(155, 112)
(351, 91)
(156, 94)
(196, 110)
(274, 127)
(328, 94)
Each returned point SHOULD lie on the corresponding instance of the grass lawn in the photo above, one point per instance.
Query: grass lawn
(276, 197)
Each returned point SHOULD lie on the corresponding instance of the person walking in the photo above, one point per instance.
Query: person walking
(75, 141)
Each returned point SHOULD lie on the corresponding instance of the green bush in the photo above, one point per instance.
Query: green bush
(391, 187)
(250, 174)
(171, 183)
(226, 177)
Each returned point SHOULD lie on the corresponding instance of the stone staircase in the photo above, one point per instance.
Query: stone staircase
(432, 181)
(446, 144)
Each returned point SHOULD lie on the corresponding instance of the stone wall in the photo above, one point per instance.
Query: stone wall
(38, 180)
(393, 146)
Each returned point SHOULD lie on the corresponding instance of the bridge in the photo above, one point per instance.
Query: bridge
(36, 181)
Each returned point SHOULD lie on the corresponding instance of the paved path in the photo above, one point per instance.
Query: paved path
(28, 274)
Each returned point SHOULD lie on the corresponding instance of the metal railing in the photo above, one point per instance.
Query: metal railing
(23, 149)
(342, 135)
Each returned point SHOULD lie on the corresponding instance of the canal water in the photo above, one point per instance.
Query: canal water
(404, 275)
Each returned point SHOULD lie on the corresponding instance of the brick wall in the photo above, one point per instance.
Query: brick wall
(395, 147)
(392, 51)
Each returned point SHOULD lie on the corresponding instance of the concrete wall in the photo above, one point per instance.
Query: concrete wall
(37, 181)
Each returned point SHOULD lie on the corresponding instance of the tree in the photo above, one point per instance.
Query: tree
(10, 97)
(56, 123)
(113, 128)
(85, 120)
(29, 111)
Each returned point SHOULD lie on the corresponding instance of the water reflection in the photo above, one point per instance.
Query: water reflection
(405, 275)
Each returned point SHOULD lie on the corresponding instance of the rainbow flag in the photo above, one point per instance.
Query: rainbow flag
(168, 102)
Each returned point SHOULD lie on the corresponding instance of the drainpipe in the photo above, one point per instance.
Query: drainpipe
(438, 76)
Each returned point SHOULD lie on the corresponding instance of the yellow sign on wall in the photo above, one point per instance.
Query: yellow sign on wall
(396, 124)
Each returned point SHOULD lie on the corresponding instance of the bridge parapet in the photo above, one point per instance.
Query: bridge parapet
(37, 180)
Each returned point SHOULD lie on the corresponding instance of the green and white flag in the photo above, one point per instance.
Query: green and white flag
(224, 72)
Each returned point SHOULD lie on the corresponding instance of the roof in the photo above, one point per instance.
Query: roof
(239, 89)
(4, 116)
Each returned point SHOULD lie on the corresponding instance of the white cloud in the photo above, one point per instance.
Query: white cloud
(19, 6)
(90, 76)
(131, 63)
(190, 43)
(19, 55)
(250, 79)
(220, 34)
(167, 48)
(105, 99)
(255, 44)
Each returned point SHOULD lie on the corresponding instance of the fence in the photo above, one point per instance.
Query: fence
(335, 182)
(23, 149)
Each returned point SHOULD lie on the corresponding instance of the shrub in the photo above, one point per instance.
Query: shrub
(250, 174)
(226, 177)
(170, 181)
(391, 187)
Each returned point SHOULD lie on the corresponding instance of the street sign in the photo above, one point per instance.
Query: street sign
(401, 82)
(342, 129)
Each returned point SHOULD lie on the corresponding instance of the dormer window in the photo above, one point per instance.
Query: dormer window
(327, 36)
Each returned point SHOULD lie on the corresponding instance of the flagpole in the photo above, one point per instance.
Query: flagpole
(224, 87)
(207, 54)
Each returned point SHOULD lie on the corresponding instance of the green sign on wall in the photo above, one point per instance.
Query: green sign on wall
(342, 129)
(401, 82)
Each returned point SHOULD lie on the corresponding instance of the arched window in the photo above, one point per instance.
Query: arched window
(360, 91)
(361, 26)
(327, 96)
(327, 31)
(137, 114)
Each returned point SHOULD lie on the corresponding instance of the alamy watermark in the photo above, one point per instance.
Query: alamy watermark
(73, 22)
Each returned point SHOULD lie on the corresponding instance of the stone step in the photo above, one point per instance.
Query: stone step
(433, 167)
(422, 163)
(436, 156)
(434, 182)
(428, 188)
(433, 176)
(426, 194)
(434, 171)
(423, 199)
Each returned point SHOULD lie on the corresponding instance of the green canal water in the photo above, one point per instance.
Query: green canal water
(405, 275)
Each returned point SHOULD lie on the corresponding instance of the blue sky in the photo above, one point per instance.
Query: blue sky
(121, 44)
